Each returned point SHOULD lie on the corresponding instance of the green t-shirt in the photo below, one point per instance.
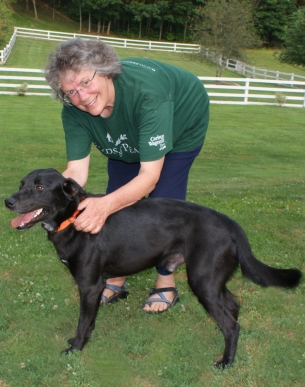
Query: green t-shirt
(158, 109)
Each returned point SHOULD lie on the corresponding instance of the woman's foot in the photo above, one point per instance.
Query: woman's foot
(167, 281)
(114, 290)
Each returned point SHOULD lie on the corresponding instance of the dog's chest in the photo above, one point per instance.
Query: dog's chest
(63, 248)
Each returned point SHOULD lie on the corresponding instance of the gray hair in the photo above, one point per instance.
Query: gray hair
(77, 55)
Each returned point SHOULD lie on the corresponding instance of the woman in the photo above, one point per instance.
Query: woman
(148, 118)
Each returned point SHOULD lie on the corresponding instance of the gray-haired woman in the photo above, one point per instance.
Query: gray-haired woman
(147, 117)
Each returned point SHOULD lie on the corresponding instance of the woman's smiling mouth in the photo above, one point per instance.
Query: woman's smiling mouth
(91, 103)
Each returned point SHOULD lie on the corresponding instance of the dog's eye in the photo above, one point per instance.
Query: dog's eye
(39, 188)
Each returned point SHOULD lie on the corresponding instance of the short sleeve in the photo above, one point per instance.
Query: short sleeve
(78, 140)
(155, 132)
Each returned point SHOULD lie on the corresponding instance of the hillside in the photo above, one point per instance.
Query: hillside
(47, 20)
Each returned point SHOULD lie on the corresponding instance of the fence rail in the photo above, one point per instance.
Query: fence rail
(241, 91)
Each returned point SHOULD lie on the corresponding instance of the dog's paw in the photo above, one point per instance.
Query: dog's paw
(67, 351)
(70, 349)
(223, 363)
(71, 341)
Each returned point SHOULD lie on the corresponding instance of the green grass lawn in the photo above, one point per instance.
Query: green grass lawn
(268, 59)
(252, 169)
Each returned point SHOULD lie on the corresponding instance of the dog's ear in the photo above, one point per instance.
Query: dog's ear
(71, 188)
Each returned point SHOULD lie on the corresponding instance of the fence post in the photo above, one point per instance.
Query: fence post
(243, 71)
(246, 91)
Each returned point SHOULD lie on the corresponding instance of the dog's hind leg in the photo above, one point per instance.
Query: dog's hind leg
(89, 306)
(208, 284)
(221, 305)
(229, 326)
(231, 304)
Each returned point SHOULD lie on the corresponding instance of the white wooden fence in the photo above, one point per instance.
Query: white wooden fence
(115, 42)
(5, 53)
(12, 78)
(248, 91)
(254, 72)
(240, 91)
(230, 64)
(249, 71)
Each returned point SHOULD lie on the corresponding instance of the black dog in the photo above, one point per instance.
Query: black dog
(149, 233)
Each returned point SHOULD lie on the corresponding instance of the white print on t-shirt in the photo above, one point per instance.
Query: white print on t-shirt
(139, 64)
(119, 140)
(118, 150)
(157, 140)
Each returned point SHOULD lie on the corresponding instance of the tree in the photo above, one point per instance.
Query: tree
(5, 15)
(183, 11)
(98, 8)
(294, 40)
(226, 28)
(113, 12)
(270, 19)
(139, 10)
(35, 9)
(80, 15)
(164, 13)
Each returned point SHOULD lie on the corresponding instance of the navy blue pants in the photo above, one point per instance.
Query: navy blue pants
(172, 183)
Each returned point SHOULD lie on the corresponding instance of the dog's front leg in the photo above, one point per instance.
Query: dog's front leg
(89, 305)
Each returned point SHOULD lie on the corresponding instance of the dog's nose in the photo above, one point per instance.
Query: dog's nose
(10, 202)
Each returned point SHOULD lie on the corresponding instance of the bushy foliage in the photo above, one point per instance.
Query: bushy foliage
(294, 40)
(270, 17)
(5, 15)
(226, 27)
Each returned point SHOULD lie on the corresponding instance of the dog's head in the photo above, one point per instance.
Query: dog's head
(44, 196)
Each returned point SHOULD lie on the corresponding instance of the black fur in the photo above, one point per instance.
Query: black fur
(149, 233)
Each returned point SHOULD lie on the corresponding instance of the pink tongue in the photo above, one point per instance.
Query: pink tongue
(23, 218)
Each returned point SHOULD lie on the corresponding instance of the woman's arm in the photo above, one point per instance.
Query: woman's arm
(98, 209)
(78, 170)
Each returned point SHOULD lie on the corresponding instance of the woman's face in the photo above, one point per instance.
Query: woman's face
(89, 91)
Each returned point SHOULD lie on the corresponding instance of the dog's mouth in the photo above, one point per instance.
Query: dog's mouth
(29, 219)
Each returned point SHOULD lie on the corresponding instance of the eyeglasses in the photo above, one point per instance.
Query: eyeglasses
(72, 93)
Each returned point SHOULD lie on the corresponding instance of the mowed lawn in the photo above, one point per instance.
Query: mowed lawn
(252, 169)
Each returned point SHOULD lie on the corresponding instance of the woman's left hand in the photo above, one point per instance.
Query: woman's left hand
(96, 211)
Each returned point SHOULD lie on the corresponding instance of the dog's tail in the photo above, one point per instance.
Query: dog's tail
(260, 273)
